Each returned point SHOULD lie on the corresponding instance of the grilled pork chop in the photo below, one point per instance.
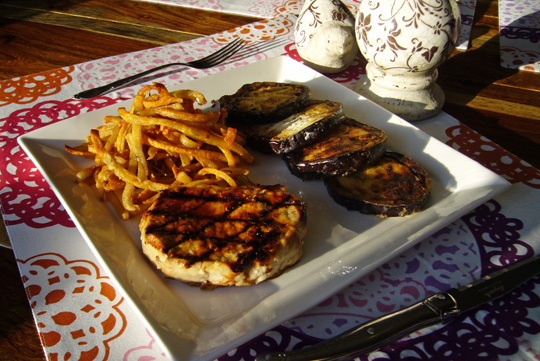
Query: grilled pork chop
(213, 236)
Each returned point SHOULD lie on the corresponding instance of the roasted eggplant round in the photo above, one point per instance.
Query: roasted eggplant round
(344, 149)
(394, 186)
(305, 127)
(299, 129)
(264, 102)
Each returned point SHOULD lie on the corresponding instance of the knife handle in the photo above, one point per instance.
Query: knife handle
(374, 334)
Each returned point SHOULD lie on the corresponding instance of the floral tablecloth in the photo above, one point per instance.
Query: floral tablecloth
(81, 315)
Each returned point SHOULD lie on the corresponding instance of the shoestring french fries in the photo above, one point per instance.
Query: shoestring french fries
(162, 142)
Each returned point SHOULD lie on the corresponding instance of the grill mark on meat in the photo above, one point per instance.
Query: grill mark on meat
(255, 243)
(218, 223)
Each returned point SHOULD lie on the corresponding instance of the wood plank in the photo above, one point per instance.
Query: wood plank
(4, 239)
(19, 339)
(513, 133)
(36, 33)
(28, 48)
(500, 103)
(487, 9)
(505, 107)
(132, 31)
(158, 23)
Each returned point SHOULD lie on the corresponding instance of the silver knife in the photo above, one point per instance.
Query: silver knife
(440, 307)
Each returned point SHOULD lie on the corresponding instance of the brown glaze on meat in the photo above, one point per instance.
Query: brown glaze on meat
(246, 233)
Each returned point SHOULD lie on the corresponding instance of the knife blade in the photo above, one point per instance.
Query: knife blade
(441, 307)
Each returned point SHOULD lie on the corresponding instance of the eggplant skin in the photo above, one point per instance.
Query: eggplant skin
(305, 127)
(395, 186)
(264, 102)
(297, 130)
(346, 148)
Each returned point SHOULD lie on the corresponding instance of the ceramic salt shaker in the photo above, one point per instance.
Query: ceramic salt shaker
(404, 41)
(324, 35)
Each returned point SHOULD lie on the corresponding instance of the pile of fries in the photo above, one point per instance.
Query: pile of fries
(162, 142)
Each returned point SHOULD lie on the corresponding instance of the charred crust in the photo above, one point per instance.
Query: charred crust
(238, 227)
(339, 166)
(297, 130)
(349, 147)
(264, 102)
(331, 116)
(400, 187)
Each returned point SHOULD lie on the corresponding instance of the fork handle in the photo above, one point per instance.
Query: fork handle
(94, 92)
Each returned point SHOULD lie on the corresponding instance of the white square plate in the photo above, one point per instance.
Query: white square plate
(340, 246)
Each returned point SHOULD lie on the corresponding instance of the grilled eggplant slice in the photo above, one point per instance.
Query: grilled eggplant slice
(305, 127)
(348, 147)
(297, 130)
(394, 186)
(264, 102)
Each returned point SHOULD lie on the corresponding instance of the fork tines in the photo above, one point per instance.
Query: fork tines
(223, 54)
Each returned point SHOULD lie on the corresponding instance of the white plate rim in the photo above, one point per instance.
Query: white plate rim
(335, 269)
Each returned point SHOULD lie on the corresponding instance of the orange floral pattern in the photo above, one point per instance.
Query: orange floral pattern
(259, 31)
(287, 7)
(27, 89)
(53, 285)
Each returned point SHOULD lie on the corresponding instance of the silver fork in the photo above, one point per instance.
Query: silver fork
(209, 61)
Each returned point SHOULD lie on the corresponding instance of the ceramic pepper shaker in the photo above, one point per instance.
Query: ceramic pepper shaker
(404, 41)
(324, 35)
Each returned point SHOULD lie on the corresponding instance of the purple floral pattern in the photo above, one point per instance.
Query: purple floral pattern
(485, 236)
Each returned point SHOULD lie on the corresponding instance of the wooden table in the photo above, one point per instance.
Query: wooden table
(35, 36)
